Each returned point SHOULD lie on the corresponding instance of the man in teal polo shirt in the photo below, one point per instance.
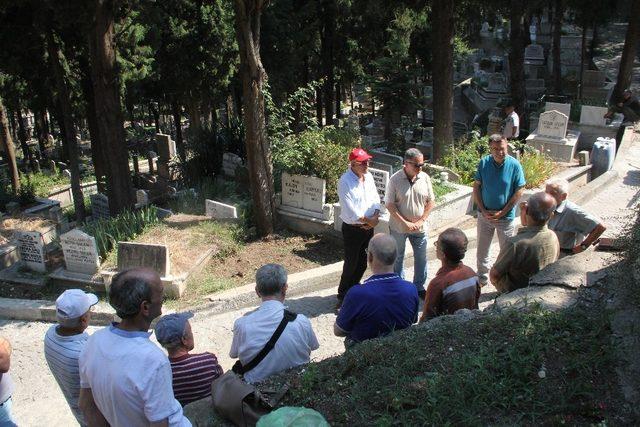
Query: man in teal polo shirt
(499, 183)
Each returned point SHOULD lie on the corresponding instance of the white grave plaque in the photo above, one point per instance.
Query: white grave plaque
(292, 190)
(31, 247)
(553, 124)
(381, 179)
(313, 193)
(590, 115)
(219, 210)
(80, 252)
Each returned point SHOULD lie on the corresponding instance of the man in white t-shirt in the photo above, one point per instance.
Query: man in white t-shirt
(125, 378)
(511, 129)
(252, 331)
(64, 342)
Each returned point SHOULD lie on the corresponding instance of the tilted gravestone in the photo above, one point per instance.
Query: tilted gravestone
(155, 257)
(31, 248)
(80, 252)
(166, 147)
(218, 210)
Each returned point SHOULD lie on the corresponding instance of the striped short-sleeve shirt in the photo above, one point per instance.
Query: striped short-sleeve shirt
(193, 375)
(453, 288)
(62, 353)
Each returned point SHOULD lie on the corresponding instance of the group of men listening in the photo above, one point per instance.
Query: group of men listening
(119, 377)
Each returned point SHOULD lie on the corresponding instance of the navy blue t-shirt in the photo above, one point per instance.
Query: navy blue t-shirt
(499, 182)
(380, 305)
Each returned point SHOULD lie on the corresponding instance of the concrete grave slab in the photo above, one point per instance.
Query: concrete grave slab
(591, 115)
(155, 257)
(218, 210)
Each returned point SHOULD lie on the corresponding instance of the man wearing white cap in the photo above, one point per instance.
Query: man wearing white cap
(64, 342)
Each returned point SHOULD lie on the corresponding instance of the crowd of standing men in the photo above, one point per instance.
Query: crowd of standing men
(119, 377)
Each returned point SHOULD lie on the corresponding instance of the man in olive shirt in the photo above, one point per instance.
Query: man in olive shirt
(409, 199)
(529, 251)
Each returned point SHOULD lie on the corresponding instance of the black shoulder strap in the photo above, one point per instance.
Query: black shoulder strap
(238, 368)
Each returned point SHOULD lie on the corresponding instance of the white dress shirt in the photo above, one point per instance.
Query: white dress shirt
(357, 198)
(252, 331)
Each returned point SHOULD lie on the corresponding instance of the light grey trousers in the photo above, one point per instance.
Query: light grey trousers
(486, 229)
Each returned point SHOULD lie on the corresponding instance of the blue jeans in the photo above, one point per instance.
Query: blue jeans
(419, 244)
(6, 417)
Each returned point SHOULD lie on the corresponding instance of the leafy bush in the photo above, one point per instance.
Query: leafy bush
(126, 226)
(318, 152)
(538, 167)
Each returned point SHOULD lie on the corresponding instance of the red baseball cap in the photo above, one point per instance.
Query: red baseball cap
(358, 154)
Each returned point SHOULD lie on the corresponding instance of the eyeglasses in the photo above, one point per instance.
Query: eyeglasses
(363, 163)
(418, 165)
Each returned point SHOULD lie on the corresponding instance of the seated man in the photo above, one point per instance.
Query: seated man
(530, 250)
(570, 222)
(253, 330)
(382, 303)
(455, 286)
(64, 342)
(192, 373)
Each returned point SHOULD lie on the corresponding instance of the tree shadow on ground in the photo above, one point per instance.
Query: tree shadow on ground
(323, 251)
(312, 306)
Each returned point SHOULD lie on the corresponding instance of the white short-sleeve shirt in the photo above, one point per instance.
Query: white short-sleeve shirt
(512, 121)
(252, 331)
(130, 379)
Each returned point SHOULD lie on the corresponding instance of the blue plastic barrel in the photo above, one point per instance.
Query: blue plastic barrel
(602, 156)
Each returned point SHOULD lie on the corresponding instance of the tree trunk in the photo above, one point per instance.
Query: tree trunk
(108, 111)
(63, 154)
(247, 20)
(583, 57)
(22, 136)
(69, 135)
(629, 52)
(516, 60)
(41, 129)
(443, 34)
(593, 44)
(177, 120)
(326, 53)
(338, 99)
(97, 148)
(558, 12)
(7, 147)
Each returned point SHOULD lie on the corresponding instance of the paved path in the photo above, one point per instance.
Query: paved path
(39, 402)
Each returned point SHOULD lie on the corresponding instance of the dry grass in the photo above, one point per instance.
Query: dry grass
(9, 225)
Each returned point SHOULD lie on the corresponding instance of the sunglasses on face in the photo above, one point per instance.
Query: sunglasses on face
(418, 165)
(363, 163)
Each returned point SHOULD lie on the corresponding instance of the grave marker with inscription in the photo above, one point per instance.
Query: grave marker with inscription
(218, 210)
(381, 179)
(313, 193)
(155, 257)
(292, 190)
(31, 247)
(80, 252)
(563, 108)
(553, 124)
(99, 206)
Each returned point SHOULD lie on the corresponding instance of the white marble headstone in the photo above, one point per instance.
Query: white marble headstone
(80, 252)
(313, 193)
(31, 247)
(292, 190)
(553, 124)
(220, 210)
(590, 115)
(563, 108)
(381, 179)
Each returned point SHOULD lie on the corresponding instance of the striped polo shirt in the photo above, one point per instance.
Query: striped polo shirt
(62, 353)
(453, 288)
(193, 375)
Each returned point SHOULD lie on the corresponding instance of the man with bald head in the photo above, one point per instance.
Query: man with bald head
(125, 379)
(529, 251)
(382, 303)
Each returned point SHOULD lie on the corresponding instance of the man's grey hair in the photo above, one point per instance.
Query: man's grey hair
(126, 294)
(560, 184)
(69, 323)
(270, 279)
(412, 153)
(383, 248)
(540, 207)
(496, 138)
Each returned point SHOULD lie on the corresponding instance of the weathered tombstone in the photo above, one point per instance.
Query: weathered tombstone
(66, 173)
(563, 108)
(166, 146)
(53, 167)
(100, 206)
(534, 54)
(590, 115)
(313, 193)
(292, 190)
(218, 210)
(390, 159)
(553, 124)
(56, 215)
(594, 78)
(80, 252)
(496, 83)
(31, 247)
(142, 197)
(36, 166)
(381, 179)
(155, 257)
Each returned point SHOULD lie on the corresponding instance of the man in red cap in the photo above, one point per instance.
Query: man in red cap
(359, 211)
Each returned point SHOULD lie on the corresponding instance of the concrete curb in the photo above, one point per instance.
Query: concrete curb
(45, 311)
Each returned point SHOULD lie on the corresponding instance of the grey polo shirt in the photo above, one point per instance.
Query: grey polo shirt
(571, 224)
(409, 197)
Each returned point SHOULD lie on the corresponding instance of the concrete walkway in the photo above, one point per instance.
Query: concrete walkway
(38, 400)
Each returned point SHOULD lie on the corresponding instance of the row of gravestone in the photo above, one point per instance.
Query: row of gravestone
(81, 254)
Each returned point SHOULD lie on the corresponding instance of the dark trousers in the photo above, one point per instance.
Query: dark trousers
(356, 239)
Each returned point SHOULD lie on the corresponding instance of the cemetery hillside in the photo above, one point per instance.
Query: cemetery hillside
(319, 212)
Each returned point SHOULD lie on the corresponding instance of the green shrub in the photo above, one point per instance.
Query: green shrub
(42, 183)
(319, 152)
(126, 226)
(537, 167)
(464, 156)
